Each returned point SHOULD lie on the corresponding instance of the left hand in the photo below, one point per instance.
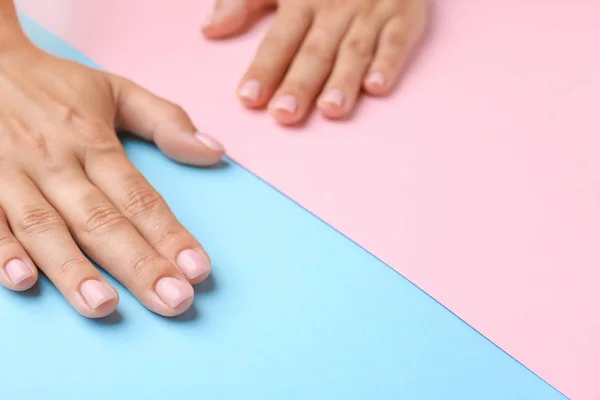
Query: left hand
(322, 51)
(68, 186)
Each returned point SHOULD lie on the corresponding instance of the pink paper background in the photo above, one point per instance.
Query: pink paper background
(479, 180)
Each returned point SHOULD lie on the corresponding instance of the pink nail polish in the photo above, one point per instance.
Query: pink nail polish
(95, 293)
(376, 80)
(173, 291)
(250, 90)
(208, 21)
(193, 264)
(287, 103)
(334, 97)
(210, 142)
(18, 271)
(227, 8)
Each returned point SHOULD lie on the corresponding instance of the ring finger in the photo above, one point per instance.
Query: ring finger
(43, 233)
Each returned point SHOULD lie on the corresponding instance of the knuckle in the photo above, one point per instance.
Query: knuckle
(144, 263)
(91, 128)
(103, 144)
(168, 235)
(67, 267)
(98, 138)
(101, 218)
(396, 39)
(141, 199)
(7, 240)
(359, 47)
(319, 51)
(40, 219)
(54, 165)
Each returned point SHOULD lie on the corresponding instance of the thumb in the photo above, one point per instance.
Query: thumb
(153, 118)
(232, 16)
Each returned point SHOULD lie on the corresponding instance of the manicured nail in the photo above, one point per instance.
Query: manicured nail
(95, 293)
(173, 291)
(208, 21)
(250, 90)
(225, 8)
(334, 97)
(18, 271)
(210, 142)
(286, 103)
(193, 264)
(376, 80)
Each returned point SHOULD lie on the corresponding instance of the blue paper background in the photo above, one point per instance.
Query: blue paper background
(294, 311)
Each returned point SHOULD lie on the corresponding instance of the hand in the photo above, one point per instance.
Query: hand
(68, 184)
(322, 51)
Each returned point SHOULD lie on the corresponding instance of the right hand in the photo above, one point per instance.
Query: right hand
(322, 53)
(68, 184)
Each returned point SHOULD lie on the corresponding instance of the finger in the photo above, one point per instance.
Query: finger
(164, 123)
(140, 203)
(310, 69)
(274, 56)
(105, 234)
(398, 38)
(19, 272)
(232, 16)
(45, 237)
(354, 56)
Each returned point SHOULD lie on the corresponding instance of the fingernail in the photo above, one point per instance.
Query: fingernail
(210, 142)
(334, 97)
(225, 8)
(173, 291)
(376, 80)
(18, 271)
(287, 103)
(193, 264)
(95, 293)
(208, 21)
(250, 90)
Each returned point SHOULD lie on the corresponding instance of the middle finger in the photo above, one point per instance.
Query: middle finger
(274, 55)
(45, 237)
(126, 187)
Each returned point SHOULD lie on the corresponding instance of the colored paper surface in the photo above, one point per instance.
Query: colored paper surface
(294, 319)
(478, 179)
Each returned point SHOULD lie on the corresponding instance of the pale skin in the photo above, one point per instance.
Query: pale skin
(322, 53)
(69, 188)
